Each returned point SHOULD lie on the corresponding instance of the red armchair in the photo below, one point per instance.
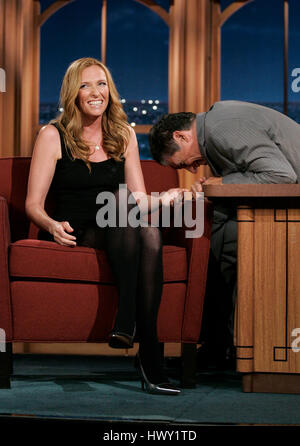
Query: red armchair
(51, 293)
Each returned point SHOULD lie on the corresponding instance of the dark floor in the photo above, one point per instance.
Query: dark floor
(104, 389)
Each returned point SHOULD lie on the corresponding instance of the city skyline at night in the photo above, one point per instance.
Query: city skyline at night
(137, 54)
(251, 57)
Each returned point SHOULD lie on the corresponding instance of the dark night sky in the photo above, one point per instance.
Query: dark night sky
(252, 51)
(137, 48)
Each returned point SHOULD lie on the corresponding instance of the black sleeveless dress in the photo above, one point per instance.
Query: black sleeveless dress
(74, 188)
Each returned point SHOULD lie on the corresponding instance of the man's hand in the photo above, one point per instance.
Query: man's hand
(197, 186)
(214, 180)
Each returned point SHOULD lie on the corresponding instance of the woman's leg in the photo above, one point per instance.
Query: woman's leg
(135, 256)
(149, 293)
(122, 246)
(123, 249)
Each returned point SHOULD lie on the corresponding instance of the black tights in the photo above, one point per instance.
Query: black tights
(135, 257)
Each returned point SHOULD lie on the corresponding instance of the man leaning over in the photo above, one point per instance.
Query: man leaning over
(242, 143)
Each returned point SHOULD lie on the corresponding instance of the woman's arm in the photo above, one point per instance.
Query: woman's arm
(46, 152)
(135, 181)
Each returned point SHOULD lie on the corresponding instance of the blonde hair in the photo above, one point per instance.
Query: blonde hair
(115, 128)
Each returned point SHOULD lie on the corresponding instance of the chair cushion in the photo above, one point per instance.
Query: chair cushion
(47, 260)
(83, 312)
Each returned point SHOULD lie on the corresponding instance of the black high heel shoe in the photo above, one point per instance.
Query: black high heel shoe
(165, 388)
(118, 339)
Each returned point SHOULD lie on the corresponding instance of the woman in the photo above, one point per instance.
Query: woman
(90, 148)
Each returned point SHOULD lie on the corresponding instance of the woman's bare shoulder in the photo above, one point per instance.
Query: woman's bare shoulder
(132, 142)
(49, 131)
(48, 140)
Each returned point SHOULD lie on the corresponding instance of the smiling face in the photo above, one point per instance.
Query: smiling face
(180, 160)
(93, 95)
(188, 156)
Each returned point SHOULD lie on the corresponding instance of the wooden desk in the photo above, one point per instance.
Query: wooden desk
(268, 301)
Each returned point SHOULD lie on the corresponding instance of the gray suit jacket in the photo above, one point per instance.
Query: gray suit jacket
(249, 143)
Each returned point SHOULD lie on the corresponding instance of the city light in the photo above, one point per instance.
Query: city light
(137, 113)
(150, 101)
(143, 101)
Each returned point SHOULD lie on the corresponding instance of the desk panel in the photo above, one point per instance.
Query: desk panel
(268, 303)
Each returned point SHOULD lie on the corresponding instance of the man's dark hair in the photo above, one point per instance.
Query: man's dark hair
(162, 144)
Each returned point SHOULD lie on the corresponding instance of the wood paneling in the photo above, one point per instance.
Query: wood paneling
(244, 334)
(170, 349)
(2, 95)
(194, 61)
(189, 64)
(269, 290)
(19, 38)
(268, 308)
(230, 191)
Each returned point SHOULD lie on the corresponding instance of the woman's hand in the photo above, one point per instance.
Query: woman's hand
(60, 230)
(169, 197)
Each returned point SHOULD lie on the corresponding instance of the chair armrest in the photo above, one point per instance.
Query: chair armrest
(197, 259)
(5, 302)
(177, 235)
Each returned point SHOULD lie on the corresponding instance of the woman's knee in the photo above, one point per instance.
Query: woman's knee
(151, 238)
